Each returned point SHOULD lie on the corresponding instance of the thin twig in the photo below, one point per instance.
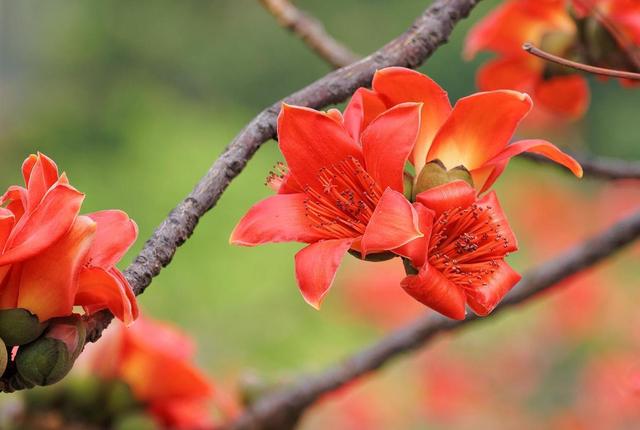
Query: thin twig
(312, 32)
(281, 410)
(427, 33)
(531, 49)
(596, 167)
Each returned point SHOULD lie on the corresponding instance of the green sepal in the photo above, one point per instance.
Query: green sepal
(435, 173)
(4, 357)
(19, 326)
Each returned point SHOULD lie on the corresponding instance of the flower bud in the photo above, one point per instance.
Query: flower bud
(48, 359)
(4, 357)
(19, 326)
(435, 173)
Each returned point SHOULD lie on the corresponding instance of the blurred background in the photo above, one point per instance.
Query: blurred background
(134, 100)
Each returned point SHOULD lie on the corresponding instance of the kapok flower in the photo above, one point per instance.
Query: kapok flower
(52, 258)
(154, 360)
(340, 193)
(474, 134)
(461, 259)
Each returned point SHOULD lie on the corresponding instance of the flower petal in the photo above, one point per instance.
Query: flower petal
(46, 224)
(541, 147)
(510, 73)
(399, 85)
(115, 234)
(40, 173)
(483, 300)
(7, 220)
(479, 127)
(416, 250)
(101, 289)
(491, 203)
(312, 140)
(49, 280)
(394, 222)
(564, 95)
(279, 218)
(316, 267)
(388, 141)
(447, 196)
(365, 105)
(432, 289)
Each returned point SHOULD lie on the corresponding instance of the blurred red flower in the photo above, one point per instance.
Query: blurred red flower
(52, 258)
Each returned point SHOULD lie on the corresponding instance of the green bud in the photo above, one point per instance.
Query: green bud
(4, 357)
(49, 358)
(435, 173)
(19, 326)
(408, 185)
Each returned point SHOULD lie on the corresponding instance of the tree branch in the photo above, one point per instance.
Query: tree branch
(428, 32)
(597, 167)
(311, 31)
(282, 410)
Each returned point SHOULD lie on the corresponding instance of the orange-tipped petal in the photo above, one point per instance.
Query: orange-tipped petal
(46, 224)
(538, 146)
(394, 223)
(101, 289)
(479, 128)
(316, 267)
(456, 194)
(279, 218)
(563, 95)
(365, 105)
(399, 85)
(115, 234)
(484, 299)
(312, 140)
(387, 143)
(49, 280)
(432, 289)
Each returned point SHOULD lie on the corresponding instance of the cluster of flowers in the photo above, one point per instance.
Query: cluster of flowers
(52, 259)
(401, 173)
(603, 33)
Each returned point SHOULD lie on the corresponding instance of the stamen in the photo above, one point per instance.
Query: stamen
(466, 245)
(275, 178)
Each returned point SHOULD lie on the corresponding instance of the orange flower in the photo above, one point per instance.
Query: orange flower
(52, 258)
(155, 360)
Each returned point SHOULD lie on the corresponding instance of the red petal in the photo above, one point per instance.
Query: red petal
(417, 249)
(387, 142)
(7, 220)
(364, 107)
(487, 175)
(564, 95)
(49, 280)
(541, 147)
(115, 234)
(394, 222)
(40, 175)
(479, 127)
(316, 267)
(499, 219)
(510, 73)
(432, 289)
(46, 224)
(279, 218)
(311, 140)
(399, 85)
(483, 300)
(456, 194)
(100, 289)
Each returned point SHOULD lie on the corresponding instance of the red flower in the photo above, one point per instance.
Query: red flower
(340, 193)
(461, 261)
(474, 133)
(52, 258)
(155, 360)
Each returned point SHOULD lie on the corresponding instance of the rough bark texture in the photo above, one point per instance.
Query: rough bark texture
(427, 33)
(282, 410)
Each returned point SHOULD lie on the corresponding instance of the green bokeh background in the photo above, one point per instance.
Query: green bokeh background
(135, 99)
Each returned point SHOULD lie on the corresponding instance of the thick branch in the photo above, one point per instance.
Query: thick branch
(283, 409)
(427, 33)
(597, 167)
(311, 31)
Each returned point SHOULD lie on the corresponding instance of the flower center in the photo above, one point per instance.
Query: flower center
(466, 244)
(347, 201)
